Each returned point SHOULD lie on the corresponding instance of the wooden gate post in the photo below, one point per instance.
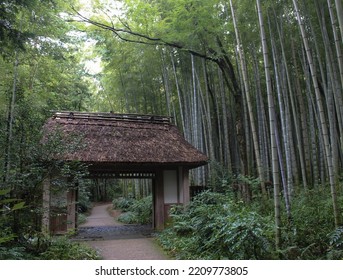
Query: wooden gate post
(158, 201)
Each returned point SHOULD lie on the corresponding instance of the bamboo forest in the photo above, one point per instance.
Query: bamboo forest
(256, 86)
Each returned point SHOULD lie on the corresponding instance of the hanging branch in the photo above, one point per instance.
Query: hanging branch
(141, 38)
(221, 59)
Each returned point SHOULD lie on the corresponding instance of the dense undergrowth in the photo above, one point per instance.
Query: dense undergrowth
(43, 247)
(134, 211)
(30, 244)
(216, 226)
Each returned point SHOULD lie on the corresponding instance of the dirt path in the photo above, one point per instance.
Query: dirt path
(115, 241)
(100, 216)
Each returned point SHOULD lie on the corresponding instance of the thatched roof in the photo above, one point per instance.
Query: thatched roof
(124, 139)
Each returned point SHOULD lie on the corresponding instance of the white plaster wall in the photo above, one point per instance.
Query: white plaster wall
(170, 186)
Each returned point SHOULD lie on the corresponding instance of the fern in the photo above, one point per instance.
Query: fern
(335, 251)
(214, 227)
(336, 238)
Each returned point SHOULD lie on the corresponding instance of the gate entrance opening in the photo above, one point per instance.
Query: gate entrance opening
(126, 146)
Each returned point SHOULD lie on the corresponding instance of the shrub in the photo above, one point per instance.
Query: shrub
(122, 203)
(215, 227)
(336, 244)
(38, 246)
(62, 248)
(137, 212)
(143, 210)
(128, 218)
(81, 218)
(84, 204)
(13, 253)
(218, 225)
(307, 236)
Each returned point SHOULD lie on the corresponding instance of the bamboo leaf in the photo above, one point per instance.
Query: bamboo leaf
(4, 191)
(7, 238)
(8, 200)
(18, 206)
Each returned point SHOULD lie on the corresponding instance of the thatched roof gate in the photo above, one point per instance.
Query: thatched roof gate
(130, 145)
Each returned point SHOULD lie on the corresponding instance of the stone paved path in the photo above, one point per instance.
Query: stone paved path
(116, 241)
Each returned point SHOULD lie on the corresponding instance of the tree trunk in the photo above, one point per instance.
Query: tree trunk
(336, 38)
(207, 111)
(178, 92)
(287, 186)
(339, 8)
(226, 140)
(10, 119)
(249, 103)
(324, 129)
(272, 125)
(303, 135)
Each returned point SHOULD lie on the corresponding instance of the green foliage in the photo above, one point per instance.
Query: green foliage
(35, 243)
(113, 190)
(10, 33)
(213, 226)
(306, 236)
(7, 206)
(81, 218)
(143, 210)
(38, 246)
(336, 244)
(128, 218)
(122, 203)
(12, 253)
(159, 79)
(336, 238)
(73, 172)
(136, 211)
(40, 70)
(84, 204)
(223, 181)
(62, 248)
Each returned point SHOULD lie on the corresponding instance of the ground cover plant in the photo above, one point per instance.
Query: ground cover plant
(44, 247)
(134, 211)
(216, 226)
(62, 248)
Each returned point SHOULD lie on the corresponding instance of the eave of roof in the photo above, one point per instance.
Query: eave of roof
(124, 140)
